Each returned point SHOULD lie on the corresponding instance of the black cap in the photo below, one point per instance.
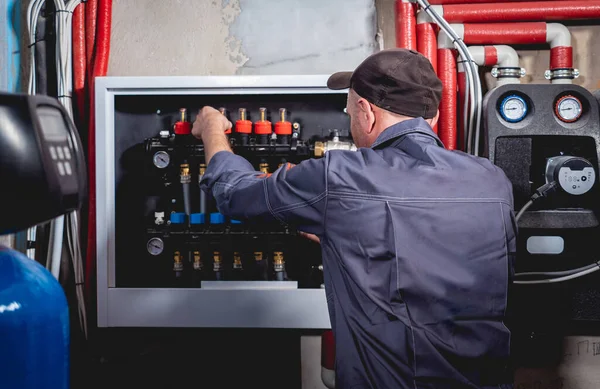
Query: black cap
(397, 80)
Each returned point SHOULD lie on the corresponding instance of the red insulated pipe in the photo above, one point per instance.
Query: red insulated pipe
(327, 350)
(406, 32)
(100, 66)
(427, 42)
(490, 56)
(79, 61)
(103, 38)
(523, 11)
(505, 33)
(447, 74)
(561, 57)
(427, 45)
(91, 13)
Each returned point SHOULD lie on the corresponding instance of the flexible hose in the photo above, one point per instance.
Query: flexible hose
(187, 202)
(202, 202)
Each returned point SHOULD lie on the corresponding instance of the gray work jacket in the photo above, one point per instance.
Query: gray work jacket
(417, 244)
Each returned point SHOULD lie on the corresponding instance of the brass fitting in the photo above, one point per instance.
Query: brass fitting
(319, 149)
(264, 167)
(202, 169)
(216, 261)
(184, 173)
(278, 262)
(197, 260)
(263, 114)
(282, 112)
(223, 111)
(258, 256)
(242, 112)
(237, 261)
(278, 257)
(183, 113)
(185, 169)
(177, 262)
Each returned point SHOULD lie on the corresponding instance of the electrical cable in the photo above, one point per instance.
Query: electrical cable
(523, 209)
(557, 273)
(542, 191)
(570, 277)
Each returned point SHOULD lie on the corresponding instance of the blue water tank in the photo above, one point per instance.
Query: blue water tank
(34, 325)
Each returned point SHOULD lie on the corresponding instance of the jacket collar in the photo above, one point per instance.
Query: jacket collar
(417, 125)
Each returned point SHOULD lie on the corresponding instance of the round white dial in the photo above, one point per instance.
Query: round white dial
(155, 246)
(568, 109)
(513, 109)
(161, 159)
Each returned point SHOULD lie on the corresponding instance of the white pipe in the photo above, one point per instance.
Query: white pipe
(424, 17)
(507, 57)
(55, 246)
(557, 35)
(445, 42)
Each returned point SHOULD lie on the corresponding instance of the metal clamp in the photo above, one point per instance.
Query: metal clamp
(508, 72)
(561, 73)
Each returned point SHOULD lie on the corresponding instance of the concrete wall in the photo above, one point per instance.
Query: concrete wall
(189, 37)
(225, 37)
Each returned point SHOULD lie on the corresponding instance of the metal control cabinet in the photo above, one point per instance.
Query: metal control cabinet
(128, 110)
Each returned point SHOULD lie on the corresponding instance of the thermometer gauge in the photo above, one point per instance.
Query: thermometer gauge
(155, 246)
(568, 109)
(161, 159)
(513, 109)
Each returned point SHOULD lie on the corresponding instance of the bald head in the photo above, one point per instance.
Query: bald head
(368, 121)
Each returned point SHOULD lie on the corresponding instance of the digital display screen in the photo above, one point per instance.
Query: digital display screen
(54, 127)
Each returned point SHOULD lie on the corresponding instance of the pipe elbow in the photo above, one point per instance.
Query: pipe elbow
(445, 42)
(507, 57)
(557, 35)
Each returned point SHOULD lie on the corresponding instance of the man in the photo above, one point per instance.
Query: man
(416, 239)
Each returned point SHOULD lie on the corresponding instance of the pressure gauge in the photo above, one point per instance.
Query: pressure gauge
(155, 246)
(513, 109)
(568, 109)
(161, 159)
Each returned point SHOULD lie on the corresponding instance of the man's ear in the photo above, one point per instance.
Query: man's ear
(433, 122)
(367, 113)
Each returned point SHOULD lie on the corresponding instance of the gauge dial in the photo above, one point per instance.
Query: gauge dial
(513, 109)
(155, 246)
(161, 159)
(568, 109)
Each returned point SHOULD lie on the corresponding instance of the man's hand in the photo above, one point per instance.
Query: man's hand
(210, 122)
(312, 237)
(210, 127)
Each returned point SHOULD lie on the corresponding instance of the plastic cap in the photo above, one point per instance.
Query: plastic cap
(263, 128)
(283, 128)
(217, 218)
(243, 127)
(178, 218)
(233, 221)
(183, 128)
(197, 218)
